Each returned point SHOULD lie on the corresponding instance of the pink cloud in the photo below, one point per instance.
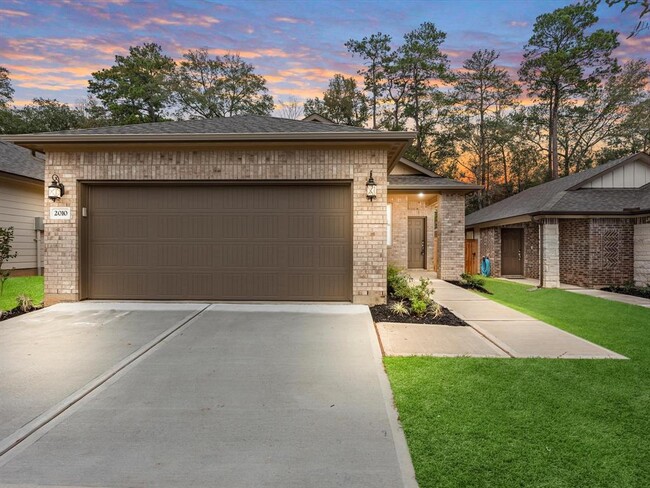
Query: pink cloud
(5, 12)
(175, 18)
(292, 20)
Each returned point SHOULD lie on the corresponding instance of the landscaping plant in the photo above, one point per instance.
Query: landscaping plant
(6, 238)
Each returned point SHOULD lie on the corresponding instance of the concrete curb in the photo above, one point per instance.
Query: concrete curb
(13, 440)
(399, 439)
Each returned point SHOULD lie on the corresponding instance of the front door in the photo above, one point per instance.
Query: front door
(512, 255)
(417, 242)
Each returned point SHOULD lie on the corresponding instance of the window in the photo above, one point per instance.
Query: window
(389, 224)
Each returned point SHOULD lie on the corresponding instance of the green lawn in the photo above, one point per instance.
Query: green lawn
(534, 422)
(31, 286)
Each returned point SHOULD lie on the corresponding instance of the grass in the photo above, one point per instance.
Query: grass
(534, 422)
(31, 286)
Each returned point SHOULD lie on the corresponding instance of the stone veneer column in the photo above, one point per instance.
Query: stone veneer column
(642, 253)
(451, 233)
(550, 253)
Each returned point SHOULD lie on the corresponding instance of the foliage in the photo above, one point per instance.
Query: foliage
(136, 88)
(484, 92)
(31, 286)
(415, 298)
(562, 60)
(472, 281)
(534, 417)
(342, 102)
(630, 289)
(6, 253)
(399, 308)
(44, 115)
(6, 90)
(24, 303)
(221, 86)
(374, 50)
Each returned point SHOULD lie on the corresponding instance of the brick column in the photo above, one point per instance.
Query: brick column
(451, 233)
(642, 254)
(550, 253)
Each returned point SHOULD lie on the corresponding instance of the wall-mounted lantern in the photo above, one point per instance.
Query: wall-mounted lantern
(56, 189)
(371, 188)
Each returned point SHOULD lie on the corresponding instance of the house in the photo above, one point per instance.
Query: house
(21, 202)
(241, 208)
(590, 229)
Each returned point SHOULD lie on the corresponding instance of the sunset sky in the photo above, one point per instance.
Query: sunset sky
(51, 47)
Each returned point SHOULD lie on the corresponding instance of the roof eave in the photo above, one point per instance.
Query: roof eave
(45, 138)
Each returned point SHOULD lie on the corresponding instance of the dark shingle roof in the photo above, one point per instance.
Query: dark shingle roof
(557, 196)
(416, 182)
(19, 161)
(244, 124)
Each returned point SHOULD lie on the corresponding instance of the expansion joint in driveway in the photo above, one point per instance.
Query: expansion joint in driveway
(27, 430)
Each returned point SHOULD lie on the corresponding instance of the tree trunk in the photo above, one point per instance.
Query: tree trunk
(553, 134)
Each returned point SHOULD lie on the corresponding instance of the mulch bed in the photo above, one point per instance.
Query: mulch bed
(635, 291)
(15, 312)
(468, 287)
(383, 313)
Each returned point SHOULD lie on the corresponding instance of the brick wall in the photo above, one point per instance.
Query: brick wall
(490, 246)
(451, 230)
(369, 227)
(611, 251)
(574, 252)
(402, 209)
(596, 252)
(531, 250)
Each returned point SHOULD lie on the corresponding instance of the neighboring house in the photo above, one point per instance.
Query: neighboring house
(21, 201)
(240, 208)
(589, 229)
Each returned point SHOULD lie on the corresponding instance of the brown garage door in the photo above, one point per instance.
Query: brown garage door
(210, 242)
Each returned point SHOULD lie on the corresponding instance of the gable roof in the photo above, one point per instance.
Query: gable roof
(16, 160)
(564, 196)
(426, 180)
(246, 128)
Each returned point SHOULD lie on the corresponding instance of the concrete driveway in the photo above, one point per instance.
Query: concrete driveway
(121, 395)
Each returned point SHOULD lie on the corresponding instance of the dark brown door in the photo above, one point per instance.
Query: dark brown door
(512, 252)
(416, 242)
(228, 242)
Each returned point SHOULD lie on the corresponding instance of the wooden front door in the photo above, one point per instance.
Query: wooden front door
(471, 256)
(417, 244)
(512, 252)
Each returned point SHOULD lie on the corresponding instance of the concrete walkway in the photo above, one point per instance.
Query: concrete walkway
(606, 295)
(515, 333)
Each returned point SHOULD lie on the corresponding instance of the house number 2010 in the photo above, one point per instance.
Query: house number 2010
(60, 213)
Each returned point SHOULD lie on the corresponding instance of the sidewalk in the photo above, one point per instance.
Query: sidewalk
(605, 295)
(515, 333)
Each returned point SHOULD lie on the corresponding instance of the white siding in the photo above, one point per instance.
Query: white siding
(634, 174)
(20, 203)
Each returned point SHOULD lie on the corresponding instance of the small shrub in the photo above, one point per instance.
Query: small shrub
(399, 282)
(472, 281)
(6, 237)
(399, 308)
(419, 307)
(25, 303)
(435, 310)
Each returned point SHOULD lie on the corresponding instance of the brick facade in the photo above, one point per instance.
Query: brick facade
(451, 236)
(402, 209)
(574, 259)
(203, 164)
(490, 247)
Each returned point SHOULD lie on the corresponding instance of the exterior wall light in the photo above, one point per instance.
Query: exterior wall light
(56, 189)
(371, 188)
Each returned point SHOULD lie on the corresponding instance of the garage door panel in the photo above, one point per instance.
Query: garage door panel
(211, 242)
